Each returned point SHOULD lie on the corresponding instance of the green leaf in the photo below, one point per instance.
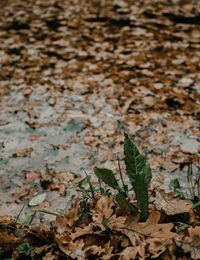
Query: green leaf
(174, 185)
(107, 176)
(139, 173)
(105, 222)
(25, 249)
(84, 181)
(196, 204)
(122, 201)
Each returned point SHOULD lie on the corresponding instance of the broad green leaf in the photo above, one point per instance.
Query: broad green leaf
(121, 199)
(107, 176)
(174, 185)
(139, 173)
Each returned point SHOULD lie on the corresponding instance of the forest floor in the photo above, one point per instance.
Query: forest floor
(74, 76)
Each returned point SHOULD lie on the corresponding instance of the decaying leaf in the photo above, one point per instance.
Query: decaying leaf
(68, 220)
(8, 242)
(37, 199)
(7, 220)
(24, 152)
(191, 243)
(170, 204)
(150, 238)
(40, 231)
(103, 211)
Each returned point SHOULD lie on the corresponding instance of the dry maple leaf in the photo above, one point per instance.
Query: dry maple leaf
(170, 204)
(191, 243)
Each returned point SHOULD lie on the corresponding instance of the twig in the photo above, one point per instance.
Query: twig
(21, 211)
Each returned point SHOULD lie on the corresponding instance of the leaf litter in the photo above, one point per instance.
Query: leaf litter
(68, 92)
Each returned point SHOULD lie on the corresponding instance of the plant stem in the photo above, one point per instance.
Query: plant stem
(122, 180)
(90, 184)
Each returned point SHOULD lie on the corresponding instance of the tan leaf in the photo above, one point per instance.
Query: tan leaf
(103, 210)
(69, 248)
(191, 243)
(23, 152)
(151, 236)
(127, 252)
(8, 242)
(170, 204)
(7, 220)
(71, 216)
(79, 232)
(40, 231)
(94, 250)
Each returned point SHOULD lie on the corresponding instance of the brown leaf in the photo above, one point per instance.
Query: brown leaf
(23, 152)
(32, 176)
(127, 252)
(191, 243)
(103, 210)
(69, 248)
(65, 223)
(150, 237)
(170, 204)
(8, 242)
(79, 232)
(40, 231)
(7, 220)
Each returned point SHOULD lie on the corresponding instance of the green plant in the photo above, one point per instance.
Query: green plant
(139, 173)
(108, 177)
(1, 251)
(192, 190)
(174, 186)
(25, 249)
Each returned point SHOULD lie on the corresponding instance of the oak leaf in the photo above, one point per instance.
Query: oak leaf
(170, 204)
(191, 243)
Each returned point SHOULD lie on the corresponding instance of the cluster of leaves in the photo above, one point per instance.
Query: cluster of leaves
(105, 224)
(139, 173)
(192, 183)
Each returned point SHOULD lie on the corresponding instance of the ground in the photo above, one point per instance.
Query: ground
(75, 75)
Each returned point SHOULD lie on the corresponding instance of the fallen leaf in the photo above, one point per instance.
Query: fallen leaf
(8, 242)
(170, 204)
(23, 153)
(37, 199)
(65, 223)
(103, 211)
(150, 238)
(191, 243)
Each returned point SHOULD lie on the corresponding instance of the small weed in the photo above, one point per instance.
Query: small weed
(25, 249)
(139, 173)
(192, 182)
